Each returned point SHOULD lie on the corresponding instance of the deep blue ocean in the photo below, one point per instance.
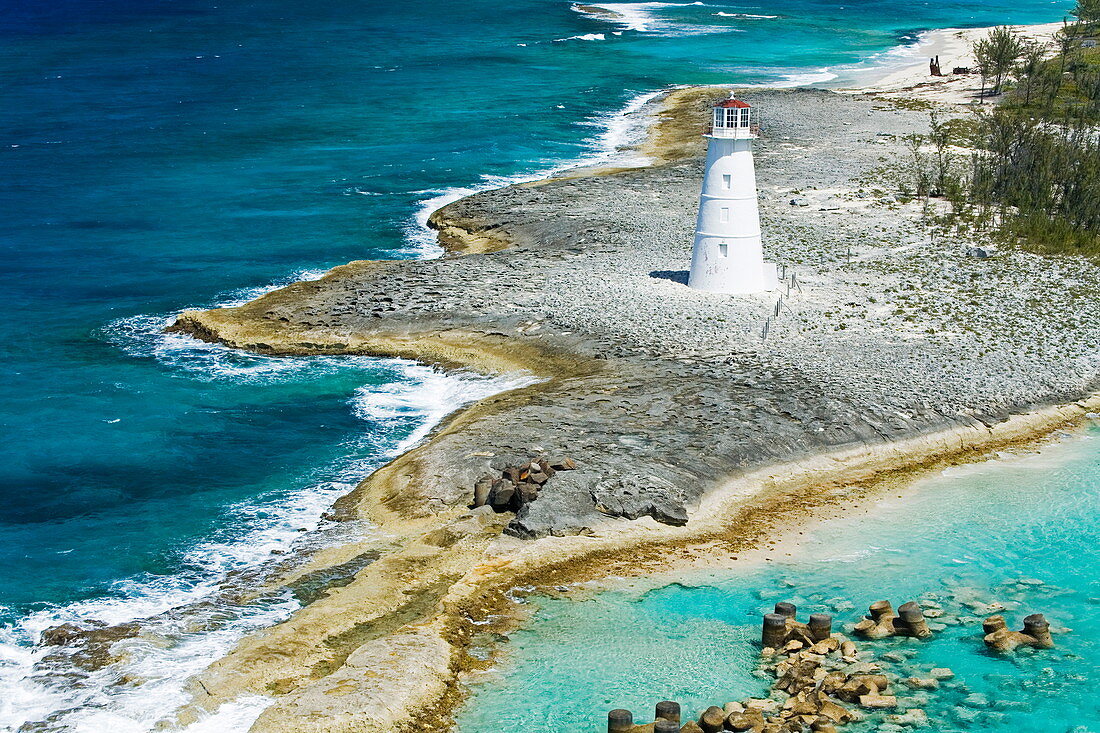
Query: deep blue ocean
(160, 155)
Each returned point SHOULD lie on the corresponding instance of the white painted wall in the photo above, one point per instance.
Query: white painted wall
(738, 267)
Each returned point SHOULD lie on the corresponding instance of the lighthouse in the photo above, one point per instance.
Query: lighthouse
(728, 256)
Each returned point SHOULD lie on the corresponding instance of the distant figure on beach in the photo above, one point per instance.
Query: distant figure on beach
(728, 256)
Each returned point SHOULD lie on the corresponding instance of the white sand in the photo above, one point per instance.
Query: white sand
(954, 47)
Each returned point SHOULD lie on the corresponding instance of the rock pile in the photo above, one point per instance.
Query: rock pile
(881, 621)
(1036, 633)
(814, 669)
(518, 485)
(822, 680)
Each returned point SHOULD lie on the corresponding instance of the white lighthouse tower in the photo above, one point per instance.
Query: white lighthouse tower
(728, 257)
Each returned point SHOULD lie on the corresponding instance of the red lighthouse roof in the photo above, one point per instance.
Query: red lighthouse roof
(733, 104)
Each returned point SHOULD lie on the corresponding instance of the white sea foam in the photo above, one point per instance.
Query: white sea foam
(630, 16)
(173, 647)
(805, 77)
(436, 396)
(880, 64)
(745, 16)
(143, 337)
(585, 37)
(616, 143)
(243, 295)
(641, 18)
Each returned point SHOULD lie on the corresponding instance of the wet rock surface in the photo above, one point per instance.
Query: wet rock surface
(87, 646)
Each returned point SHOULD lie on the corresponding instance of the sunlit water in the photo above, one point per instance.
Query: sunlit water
(1021, 532)
(165, 154)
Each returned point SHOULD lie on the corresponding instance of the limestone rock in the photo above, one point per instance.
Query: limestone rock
(878, 701)
(712, 720)
(87, 646)
(879, 623)
(639, 497)
(914, 718)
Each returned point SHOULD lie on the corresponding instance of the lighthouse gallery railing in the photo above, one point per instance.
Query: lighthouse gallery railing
(734, 132)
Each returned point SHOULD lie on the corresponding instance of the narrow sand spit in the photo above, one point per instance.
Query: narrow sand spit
(891, 353)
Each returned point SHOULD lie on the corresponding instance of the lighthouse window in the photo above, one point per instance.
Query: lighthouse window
(744, 118)
(727, 181)
(724, 215)
(723, 249)
(719, 117)
(731, 117)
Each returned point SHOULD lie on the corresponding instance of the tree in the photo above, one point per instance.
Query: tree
(982, 56)
(1087, 11)
(998, 53)
(1030, 68)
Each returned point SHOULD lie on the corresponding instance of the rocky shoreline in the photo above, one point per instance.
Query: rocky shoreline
(889, 352)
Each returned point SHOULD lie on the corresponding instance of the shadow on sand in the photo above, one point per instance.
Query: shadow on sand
(676, 276)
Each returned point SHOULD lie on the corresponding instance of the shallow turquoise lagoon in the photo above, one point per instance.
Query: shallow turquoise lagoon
(1021, 532)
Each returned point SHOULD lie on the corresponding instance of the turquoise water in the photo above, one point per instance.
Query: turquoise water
(166, 154)
(1021, 532)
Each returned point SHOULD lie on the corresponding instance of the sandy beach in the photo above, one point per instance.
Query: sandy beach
(695, 437)
(954, 47)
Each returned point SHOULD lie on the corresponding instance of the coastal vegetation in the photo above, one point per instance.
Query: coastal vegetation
(1026, 171)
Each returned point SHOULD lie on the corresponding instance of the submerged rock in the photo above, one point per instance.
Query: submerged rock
(1036, 633)
(86, 646)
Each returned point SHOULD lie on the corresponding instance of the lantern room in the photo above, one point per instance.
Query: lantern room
(732, 118)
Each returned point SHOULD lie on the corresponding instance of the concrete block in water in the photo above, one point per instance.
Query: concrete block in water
(1036, 633)
(787, 610)
(775, 630)
(666, 726)
(820, 626)
(620, 721)
(668, 710)
(880, 621)
(1037, 627)
(912, 622)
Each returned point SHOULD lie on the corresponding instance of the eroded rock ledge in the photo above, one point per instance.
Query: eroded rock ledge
(887, 337)
(672, 390)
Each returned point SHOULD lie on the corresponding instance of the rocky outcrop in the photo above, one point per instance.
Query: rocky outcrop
(518, 485)
(892, 350)
(87, 646)
(881, 621)
(819, 684)
(999, 638)
(646, 496)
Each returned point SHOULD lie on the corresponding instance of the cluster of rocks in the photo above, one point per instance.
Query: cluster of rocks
(518, 485)
(881, 622)
(1036, 633)
(822, 680)
(815, 671)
